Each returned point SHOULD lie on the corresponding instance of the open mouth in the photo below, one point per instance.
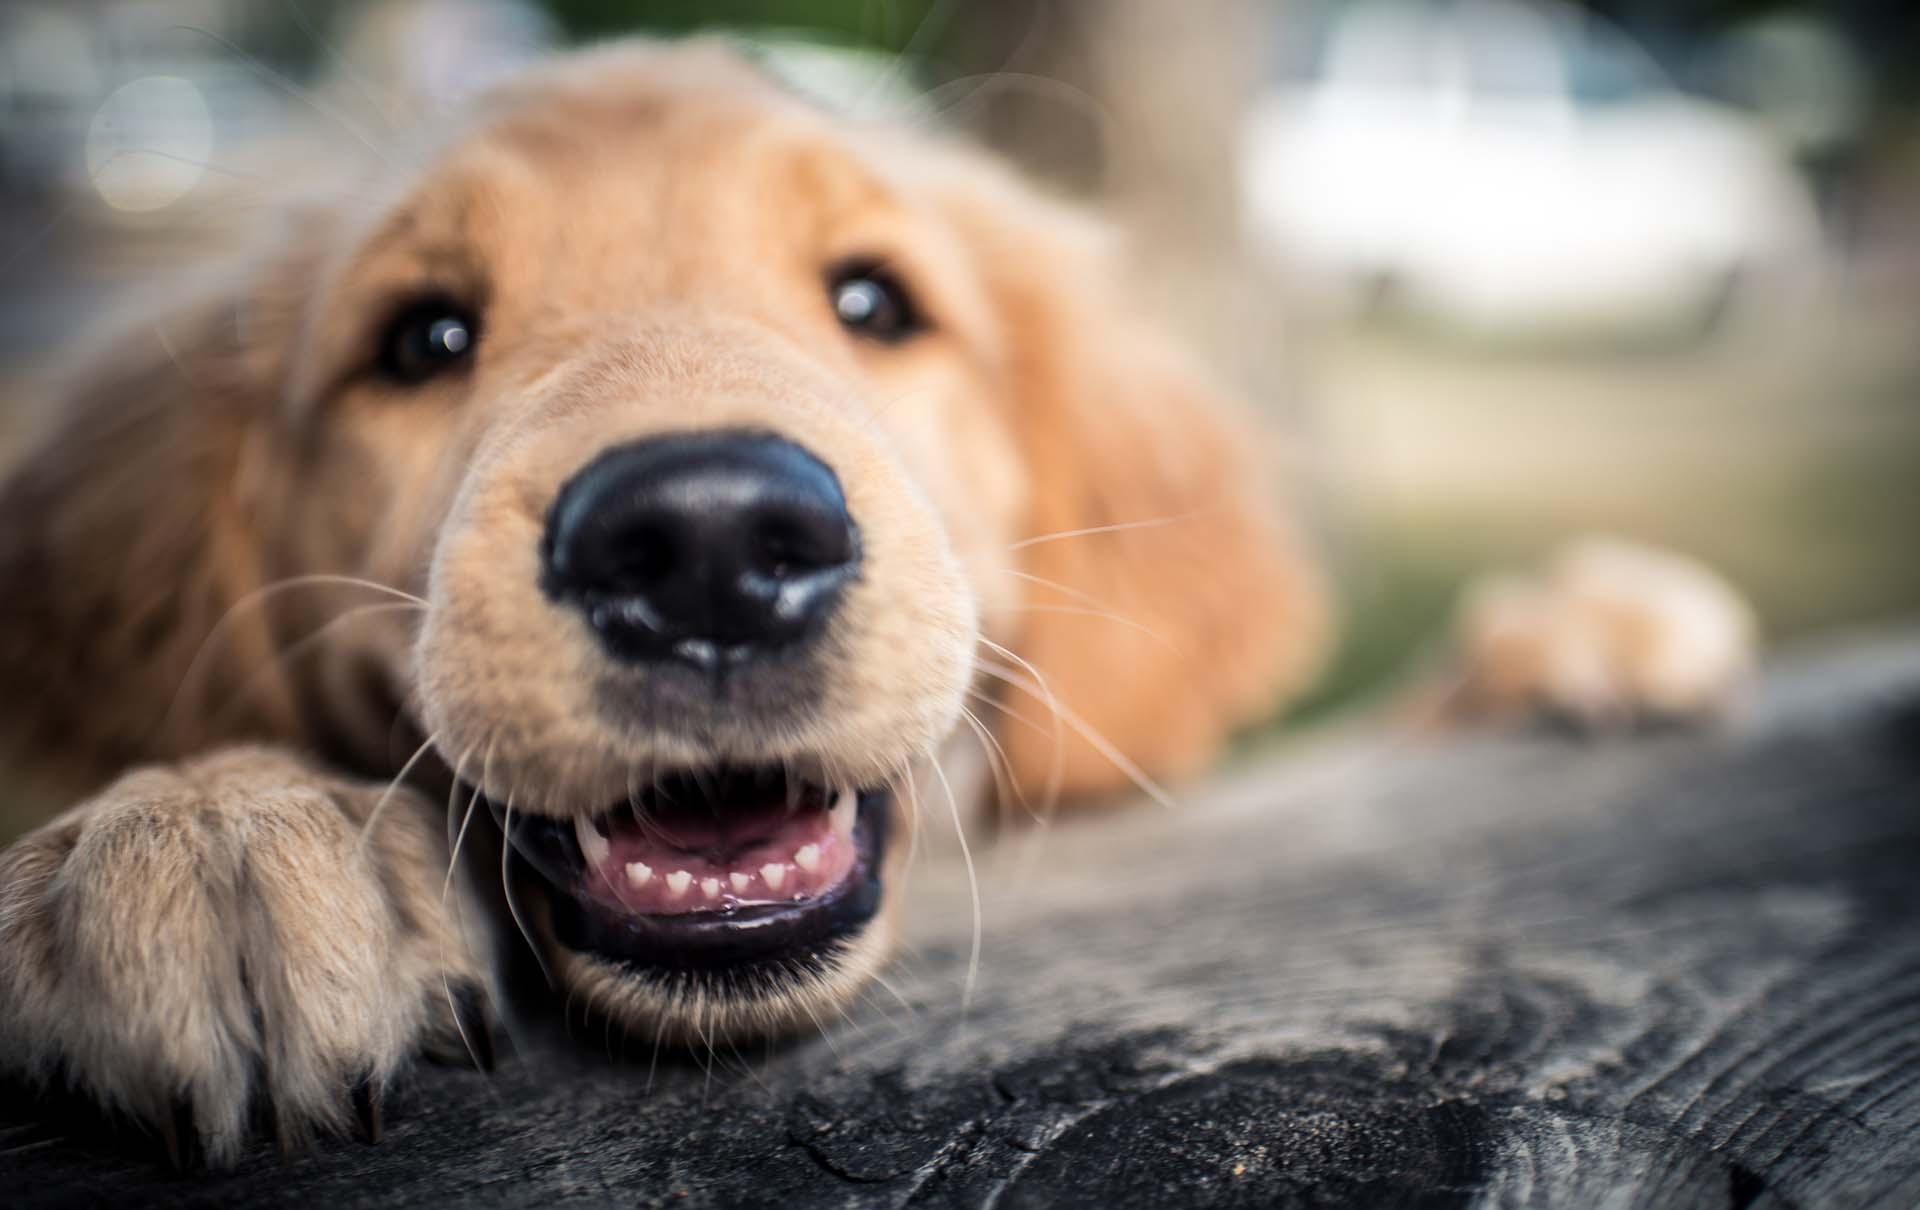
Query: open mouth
(728, 867)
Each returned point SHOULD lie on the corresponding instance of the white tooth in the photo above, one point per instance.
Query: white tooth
(710, 887)
(740, 881)
(639, 874)
(678, 882)
(773, 873)
(807, 857)
(841, 816)
(592, 845)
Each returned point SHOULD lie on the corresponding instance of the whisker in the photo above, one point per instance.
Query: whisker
(1065, 590)
(653, 1064)
(280, 81)
(260, 596)
(301, 646)
(304, 581)
(446, 887)
(878, 1009)
(386, 796)
(649, 828)
(1115, 528)
(1029, 852)
(997, 761)
(912, 1012)
(1086, 612)
(506, 887)
(973, 890)
(458, 838)
(704, 1031)
(1056, 765)
(904, 777)
(872, 415)
(165, 156)
(746, 1068)
(821, 1027)
(1086, 731)
(486, 770)
(348, 71)
(453, 809)
(1018, 716)
(852, 1022)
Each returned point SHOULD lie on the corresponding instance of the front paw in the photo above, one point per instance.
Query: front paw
(1611, 635)
(214, 948)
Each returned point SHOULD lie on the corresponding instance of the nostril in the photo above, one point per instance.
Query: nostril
(639, 555)
(786, 544)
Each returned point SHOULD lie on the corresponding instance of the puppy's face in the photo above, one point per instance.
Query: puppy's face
(715, 434)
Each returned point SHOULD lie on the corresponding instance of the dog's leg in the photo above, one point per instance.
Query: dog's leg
(232, 943)
(1611, 634)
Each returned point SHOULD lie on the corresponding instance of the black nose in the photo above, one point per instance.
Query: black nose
(709, 548)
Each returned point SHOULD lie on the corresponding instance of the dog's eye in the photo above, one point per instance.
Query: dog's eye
(869, 301)
(425, 339)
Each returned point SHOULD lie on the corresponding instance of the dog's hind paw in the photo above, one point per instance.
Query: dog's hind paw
(216, 950)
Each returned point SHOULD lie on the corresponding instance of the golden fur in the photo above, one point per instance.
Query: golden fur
(645, 231)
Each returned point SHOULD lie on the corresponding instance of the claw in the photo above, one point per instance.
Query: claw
(475, 1023)
(366, 1107)
(267, 1122)
(181, 1137)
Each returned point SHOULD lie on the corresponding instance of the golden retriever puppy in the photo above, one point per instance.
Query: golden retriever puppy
(658, 471)
(669, 460)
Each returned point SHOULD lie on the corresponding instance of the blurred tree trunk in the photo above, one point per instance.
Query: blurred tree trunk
(1133, 103)
(1136, 105)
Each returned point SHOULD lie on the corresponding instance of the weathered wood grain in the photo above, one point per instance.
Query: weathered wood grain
(1679, 970)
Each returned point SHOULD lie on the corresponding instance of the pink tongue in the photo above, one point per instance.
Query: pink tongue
(700, 862)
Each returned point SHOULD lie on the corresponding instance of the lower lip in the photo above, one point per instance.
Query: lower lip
(729, 937)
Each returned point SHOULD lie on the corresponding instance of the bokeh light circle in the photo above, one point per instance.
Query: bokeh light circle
(149, 142)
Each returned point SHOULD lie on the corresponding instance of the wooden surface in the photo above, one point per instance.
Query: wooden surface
(1678, 970)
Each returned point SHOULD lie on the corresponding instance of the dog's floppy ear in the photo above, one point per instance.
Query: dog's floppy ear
(130, 531)
(1196, 610)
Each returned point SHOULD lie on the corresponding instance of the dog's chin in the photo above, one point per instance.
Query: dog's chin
(727, 900)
